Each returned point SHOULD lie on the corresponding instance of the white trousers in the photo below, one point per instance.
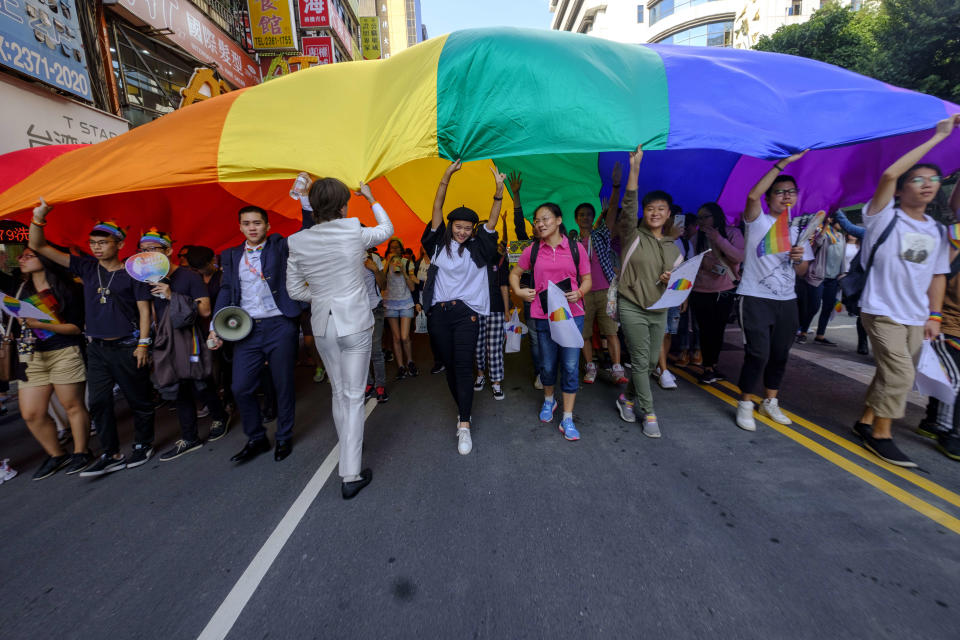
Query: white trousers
(347, 359)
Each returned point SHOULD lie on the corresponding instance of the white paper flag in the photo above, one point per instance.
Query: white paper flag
(681, 283)
(931, 379)
(563, 328)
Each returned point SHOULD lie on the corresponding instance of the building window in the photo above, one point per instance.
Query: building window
(795, 9)
(667, 8)
(639, 14)
(717, 34)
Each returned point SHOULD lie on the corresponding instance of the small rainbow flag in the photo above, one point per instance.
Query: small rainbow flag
(953, 231)
(12, 304)
(777, 239)
(44, 301)
(682, 284)
(559, 315)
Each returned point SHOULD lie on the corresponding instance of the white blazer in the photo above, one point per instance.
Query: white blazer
(325, 268)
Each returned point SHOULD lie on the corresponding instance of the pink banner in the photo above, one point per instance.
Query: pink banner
(195, 33)
(320, 46)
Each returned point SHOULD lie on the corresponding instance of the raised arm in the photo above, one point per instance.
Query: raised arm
(848, 227)
(497, 205)
(610, 216)
(753, 209)
(442, 194)
(372, 236)
(627, 224)
(38, 241)
(887, 186)
(297, 286)
(519, 225)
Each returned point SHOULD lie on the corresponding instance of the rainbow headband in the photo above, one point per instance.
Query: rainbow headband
(111, 227)
(156, 237)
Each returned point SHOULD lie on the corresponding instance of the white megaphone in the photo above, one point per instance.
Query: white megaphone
(232, 324)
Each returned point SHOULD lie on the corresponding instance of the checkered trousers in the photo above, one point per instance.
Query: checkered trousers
(490, 345)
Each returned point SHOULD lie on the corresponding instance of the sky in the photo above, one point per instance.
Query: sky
(444, 16)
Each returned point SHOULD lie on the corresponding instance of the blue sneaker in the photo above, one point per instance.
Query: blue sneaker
(547, 410)
(569, 430)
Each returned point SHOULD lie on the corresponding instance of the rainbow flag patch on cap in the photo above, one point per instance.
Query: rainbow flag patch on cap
(156, 236)
(111, 227)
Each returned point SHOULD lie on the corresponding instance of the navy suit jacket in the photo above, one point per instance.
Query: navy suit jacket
(273, 259)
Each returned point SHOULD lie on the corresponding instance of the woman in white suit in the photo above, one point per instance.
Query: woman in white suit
(325, 268)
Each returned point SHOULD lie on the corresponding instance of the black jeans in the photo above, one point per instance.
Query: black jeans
(187, 395)
(112, 362)
(769, 327)
(711, 310)
(454, 328)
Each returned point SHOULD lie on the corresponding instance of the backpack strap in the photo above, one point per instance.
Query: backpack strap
(574, 253)
(883, 238)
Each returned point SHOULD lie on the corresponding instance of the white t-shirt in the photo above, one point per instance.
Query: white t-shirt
(458, 278)
(914, 252)
(771, 276)
(370, 280)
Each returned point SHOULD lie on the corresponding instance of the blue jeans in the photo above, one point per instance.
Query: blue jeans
(553, 356)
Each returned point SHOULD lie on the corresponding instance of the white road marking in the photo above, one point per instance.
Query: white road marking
(226, 615)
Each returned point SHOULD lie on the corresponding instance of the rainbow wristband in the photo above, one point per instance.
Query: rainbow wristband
(935, 316)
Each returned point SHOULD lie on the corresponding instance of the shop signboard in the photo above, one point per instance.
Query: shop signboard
(313, 14)
(187, 27)
(42, 40)
(370, 37)
(34, 117)
(319, 46)
(340, 28)
(272, 25)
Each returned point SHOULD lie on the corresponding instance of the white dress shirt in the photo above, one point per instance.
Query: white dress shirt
(255, 296)
(325, 268)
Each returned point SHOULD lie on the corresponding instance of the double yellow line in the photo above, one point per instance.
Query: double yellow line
(934, 513)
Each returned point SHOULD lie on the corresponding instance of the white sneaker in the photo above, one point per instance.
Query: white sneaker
(464, 443)
(745, 416)
(6, 473)
(478, 383)
(771, 408)
(655, 373)
(537, 384)
(591, 373)
(651, 428)
(667, 380)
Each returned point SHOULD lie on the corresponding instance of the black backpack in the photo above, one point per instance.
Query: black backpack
(535, 249)
(853, 283)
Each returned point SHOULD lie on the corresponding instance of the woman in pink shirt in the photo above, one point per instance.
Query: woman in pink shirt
(554, 262)
(715, 288)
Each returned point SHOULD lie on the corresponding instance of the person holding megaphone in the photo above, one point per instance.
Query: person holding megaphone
(325, 267)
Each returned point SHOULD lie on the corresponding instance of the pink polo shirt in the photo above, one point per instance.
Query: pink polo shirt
(553, 265)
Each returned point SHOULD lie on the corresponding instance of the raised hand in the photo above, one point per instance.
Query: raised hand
(515, 182)
(946, 126)
(617, 173)
(41, 210)
(453, 168)
(636, 157)
(366, 193)
(794, 157)
(499, 177)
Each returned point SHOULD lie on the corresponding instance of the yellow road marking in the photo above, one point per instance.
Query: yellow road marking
(937, 515)
(911, 477)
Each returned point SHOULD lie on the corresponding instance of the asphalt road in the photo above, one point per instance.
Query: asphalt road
(708, 532)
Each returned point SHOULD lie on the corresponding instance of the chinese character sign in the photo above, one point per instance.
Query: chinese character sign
(272, 25)
(370, 37)
(42, 40)
(314, 13)
(319, 46)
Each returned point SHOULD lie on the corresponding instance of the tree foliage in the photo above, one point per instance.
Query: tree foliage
(908, 43)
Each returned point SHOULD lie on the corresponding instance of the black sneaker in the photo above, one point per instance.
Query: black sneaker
(927, 430)
(437, 368)
(863, 430)
(497, 391)
(387, 355)
(79, 462)
(884, 449)
(104, 464)
(719, 374)
(180, 448)
(369, 392)
(141, 453)
(949, 446)
(412, 370)
(218, 429)
(382, 395)
(801, 338)
(401, 372)
(51, 465)
(824, 342)
(709, 376)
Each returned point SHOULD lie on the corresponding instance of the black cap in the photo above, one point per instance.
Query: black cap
(463, 213)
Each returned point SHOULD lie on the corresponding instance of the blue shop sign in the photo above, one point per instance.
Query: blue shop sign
(41, 38)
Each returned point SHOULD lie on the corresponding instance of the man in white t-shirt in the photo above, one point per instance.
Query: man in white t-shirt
(902, 301)
(768, 302)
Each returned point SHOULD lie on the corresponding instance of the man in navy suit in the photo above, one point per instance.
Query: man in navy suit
(255, 279)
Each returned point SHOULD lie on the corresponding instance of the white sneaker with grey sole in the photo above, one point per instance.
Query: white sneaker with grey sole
(771, 408)
(745, 416)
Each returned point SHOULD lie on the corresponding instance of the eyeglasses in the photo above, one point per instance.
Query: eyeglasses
(919, 180)
(100, 243)
(785, 192)
(152, 249)
(26, 256)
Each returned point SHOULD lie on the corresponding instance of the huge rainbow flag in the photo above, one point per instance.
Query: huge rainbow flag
(561, 108)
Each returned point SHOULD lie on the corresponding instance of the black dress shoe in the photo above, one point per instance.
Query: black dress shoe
(284, 448)
(351, 489)
(251, 450)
